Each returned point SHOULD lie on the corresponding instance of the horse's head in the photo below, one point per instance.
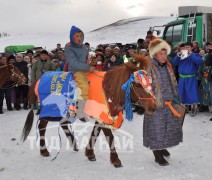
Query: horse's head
(16, 75)
(141, 91)
(116, 77)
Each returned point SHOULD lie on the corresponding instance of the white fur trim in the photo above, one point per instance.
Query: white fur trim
(155, 49)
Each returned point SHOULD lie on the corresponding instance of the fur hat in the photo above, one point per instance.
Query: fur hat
(157, 45)
(19, 55)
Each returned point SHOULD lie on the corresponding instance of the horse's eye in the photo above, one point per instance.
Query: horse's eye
(137, 85)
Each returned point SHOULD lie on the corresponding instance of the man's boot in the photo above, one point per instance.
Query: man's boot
(25, 104)
(1, 106)
(9, 106)
(17, 105)
(159, 158)
(1, 111)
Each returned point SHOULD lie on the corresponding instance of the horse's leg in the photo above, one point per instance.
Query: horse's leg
(70, 136)
(113, 154)
(89, 150)
(42, 130)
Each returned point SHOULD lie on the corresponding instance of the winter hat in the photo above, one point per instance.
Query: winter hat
(26, 58)
(131, 46)
(100, 54)
(74, 30)
(116, 48)
(29, 51)
(10, 57)
(55, 60)
(157, 45)
(108, 48)
(19, 55)
(44, 52)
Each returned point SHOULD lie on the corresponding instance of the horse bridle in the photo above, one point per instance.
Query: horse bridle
(15, 82)
(140, 98)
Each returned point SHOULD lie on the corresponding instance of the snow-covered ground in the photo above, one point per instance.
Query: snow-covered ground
(191, 160)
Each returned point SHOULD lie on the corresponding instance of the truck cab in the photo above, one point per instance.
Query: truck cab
(193, 24)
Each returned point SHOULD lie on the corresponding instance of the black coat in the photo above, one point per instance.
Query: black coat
(22, 66)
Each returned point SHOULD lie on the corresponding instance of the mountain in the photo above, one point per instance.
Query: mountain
(123, 31)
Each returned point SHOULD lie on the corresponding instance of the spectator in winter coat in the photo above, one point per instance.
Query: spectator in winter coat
(29, 53)
(41, 66)
(5, 92)
(195, 48)
(205, 86)
(21, 90)
(56, 64)
(188, 64)
(112, 62)
(99, 62)
(117, 52)
(29, 66)
(150, 37)
(108, 52)
(163, 128)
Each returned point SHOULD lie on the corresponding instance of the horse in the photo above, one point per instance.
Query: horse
(112, 82)
(11, 73)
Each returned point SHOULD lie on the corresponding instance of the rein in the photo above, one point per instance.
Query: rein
(148, 99)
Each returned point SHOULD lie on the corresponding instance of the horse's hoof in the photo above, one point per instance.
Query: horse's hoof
(92, 158)
(90, 154)
(44, 153)
(76, 147)
(115, 160)
(118, 165)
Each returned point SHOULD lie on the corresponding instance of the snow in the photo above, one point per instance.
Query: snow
(21, 161)
(124, 31)
(191, 160)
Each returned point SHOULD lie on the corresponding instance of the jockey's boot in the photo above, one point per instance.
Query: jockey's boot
(159, 158)
(9, 106)
(80, 111)
(165, 153)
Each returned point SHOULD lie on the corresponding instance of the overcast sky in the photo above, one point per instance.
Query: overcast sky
(33, 16)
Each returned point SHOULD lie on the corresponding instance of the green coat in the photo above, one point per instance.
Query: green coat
(40, 67)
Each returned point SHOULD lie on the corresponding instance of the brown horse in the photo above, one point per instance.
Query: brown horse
(11, 73)
(113, 80)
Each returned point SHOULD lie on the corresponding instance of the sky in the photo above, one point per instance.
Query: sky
(34, 16)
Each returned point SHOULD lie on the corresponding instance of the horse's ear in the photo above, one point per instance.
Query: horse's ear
(10, 66)
(144, 61)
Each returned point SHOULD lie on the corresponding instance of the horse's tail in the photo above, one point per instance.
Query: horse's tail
(28, 125)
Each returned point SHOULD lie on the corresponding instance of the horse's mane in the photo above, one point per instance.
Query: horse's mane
(117, 76)
(3, 67)
(6, 66)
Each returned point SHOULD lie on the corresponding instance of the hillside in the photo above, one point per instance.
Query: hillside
(124, 31)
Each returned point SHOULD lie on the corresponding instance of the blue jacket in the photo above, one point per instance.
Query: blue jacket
(187, 85)
(76, 55)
